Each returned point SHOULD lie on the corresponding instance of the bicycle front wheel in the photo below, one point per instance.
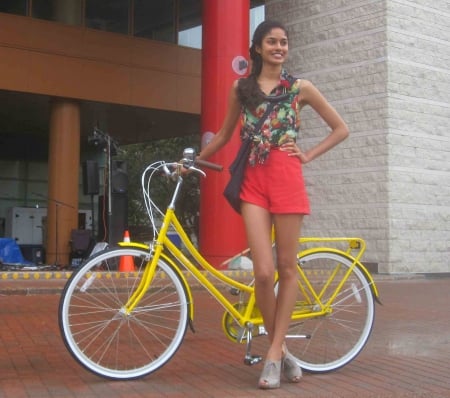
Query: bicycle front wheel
(102, 336)
(328, 342)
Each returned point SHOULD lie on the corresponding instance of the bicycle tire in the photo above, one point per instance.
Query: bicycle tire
(101, 336)
(329, 342)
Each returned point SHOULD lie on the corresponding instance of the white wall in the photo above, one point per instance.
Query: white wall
(418, 39)
(384, 65)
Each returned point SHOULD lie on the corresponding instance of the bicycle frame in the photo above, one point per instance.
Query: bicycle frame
(163, 242)
(243, 319)
(353, 244)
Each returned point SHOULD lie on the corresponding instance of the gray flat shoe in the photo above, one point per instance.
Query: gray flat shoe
(291, 370)
(270, 376)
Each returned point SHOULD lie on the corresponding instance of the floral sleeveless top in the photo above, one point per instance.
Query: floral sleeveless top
(282, 124)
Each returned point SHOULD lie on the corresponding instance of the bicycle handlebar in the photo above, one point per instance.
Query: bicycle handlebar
(209, 165)
(189, 160)
(174, 169)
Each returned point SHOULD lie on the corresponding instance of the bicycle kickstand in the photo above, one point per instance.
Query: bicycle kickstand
(249, 358)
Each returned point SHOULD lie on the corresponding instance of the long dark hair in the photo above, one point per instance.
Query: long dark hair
(248, 91)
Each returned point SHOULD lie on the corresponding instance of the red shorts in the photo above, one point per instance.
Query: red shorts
(276, 185)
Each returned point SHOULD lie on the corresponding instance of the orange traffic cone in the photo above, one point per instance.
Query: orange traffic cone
(126, 236)
(126, 263)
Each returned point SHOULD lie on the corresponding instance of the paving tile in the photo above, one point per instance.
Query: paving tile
(406, 356)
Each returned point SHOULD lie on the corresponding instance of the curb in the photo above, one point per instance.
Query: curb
(52, 282)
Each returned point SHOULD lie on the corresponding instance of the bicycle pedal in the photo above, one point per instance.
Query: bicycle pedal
(251, 360)
(262, 331)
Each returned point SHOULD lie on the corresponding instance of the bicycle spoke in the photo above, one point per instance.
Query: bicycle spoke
(329, 341)
(103, 336)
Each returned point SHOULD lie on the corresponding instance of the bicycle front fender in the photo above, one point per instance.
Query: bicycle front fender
(358, 264)
(176, 269)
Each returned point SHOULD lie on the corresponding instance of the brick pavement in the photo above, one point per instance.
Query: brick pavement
(407, 355)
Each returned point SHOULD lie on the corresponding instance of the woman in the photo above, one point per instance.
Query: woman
(273, 191)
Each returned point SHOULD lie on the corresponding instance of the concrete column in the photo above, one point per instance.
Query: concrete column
(63, 183)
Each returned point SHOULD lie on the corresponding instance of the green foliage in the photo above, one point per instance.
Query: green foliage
(138, 157)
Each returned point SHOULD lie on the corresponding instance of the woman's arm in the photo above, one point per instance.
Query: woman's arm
(228, 126)
(310, 95)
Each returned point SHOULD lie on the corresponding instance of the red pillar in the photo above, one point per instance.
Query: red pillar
(224, 59)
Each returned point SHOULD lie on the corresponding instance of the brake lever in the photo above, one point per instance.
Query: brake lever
(193, 168)
(189, 161)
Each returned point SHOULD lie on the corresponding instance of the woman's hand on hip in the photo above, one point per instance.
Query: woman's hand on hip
(294, 150)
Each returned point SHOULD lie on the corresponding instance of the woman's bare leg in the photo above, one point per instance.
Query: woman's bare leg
(276, 311)
(287, 231)
(258, 224)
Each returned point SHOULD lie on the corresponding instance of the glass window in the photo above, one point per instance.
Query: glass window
(191, 37)
(109, 15)
(190, 33)
(190, 23)
(154, 19)
(65, 11)
(257, 15)
(42, 9)
(18, 7)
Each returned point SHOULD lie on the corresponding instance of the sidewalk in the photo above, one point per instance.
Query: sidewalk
(408, 354)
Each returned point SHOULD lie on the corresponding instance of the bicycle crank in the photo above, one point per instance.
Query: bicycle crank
(250, 359)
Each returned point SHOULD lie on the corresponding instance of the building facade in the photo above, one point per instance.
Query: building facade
(70, 66)
(384, 65)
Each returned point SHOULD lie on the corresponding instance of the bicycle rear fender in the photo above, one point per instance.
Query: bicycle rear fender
(177, 270)
(358, 264)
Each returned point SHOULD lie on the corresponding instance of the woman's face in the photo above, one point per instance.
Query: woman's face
(274, 46)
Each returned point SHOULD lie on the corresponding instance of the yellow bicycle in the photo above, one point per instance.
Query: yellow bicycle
(125, 325)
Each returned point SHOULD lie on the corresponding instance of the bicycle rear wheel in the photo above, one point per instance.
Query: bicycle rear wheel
(328, 342)
(99, 333)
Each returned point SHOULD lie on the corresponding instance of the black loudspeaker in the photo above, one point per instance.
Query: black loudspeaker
(119, 217)
(91, 183)
(119, 176)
